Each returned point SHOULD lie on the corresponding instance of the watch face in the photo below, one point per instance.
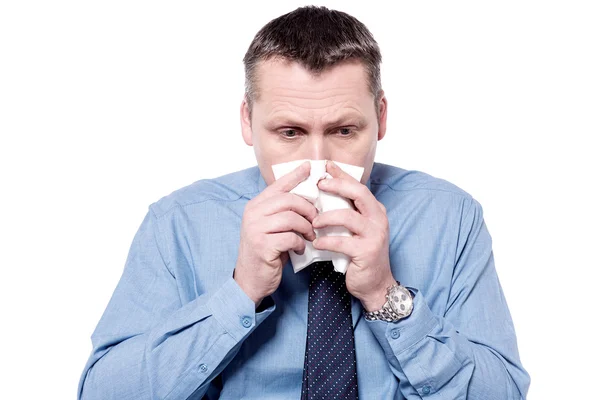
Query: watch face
(400, 300)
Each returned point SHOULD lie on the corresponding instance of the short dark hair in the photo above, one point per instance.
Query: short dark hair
(316, 38)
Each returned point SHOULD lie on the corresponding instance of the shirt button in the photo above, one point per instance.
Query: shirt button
(246, 322)
(426, 389)
(395, 334)
(203, 368)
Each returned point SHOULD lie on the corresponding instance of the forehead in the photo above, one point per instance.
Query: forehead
(280, 78)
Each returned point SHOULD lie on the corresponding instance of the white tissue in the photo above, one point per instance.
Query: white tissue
(323, 201)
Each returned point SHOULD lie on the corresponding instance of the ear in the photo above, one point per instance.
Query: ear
(246, 122)
(382, 116)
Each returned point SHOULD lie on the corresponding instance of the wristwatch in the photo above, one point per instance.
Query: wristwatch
(399, 304)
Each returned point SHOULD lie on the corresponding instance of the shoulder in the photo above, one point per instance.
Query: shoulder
(416, 195)
(427, 207)
(231, 187)
(389, 177)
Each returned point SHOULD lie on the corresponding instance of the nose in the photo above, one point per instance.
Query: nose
(318, 148)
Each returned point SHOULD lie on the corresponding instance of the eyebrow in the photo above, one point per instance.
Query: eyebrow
(287, 121)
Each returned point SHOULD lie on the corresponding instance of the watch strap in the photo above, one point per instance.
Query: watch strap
(386, 313)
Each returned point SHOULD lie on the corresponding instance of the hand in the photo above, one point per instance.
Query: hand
(369, 273)
(268, 232)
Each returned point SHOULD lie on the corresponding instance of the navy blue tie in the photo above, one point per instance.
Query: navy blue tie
(330, 358)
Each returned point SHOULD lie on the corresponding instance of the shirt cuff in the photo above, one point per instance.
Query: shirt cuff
(235, 311)
(395, 337)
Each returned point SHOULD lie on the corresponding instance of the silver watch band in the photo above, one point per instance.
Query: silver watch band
(386, 313)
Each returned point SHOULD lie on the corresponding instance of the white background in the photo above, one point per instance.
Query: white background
(105, 107)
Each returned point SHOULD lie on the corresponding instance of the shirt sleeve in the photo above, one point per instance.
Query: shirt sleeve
(148, 344)
(470, 352)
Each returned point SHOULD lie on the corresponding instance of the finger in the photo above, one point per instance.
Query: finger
(289, 202)
(286, 241)
(289, 221)
(352, 189)
(335, 171)
(350, 219)
(290, 180)
(348, 245)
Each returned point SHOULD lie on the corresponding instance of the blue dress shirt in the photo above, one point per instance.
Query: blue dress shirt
(179, 327)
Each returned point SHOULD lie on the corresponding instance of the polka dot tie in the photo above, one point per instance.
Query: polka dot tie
(330, 358)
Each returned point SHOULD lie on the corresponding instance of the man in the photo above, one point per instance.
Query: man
(208, 305)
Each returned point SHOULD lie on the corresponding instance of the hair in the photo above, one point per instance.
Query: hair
(317, 38)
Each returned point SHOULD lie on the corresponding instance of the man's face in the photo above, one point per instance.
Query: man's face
(328, 117)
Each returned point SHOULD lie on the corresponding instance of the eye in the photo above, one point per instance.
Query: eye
(289, 133)
(345, 132)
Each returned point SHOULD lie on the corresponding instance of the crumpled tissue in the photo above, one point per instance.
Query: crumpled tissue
(323, 201)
